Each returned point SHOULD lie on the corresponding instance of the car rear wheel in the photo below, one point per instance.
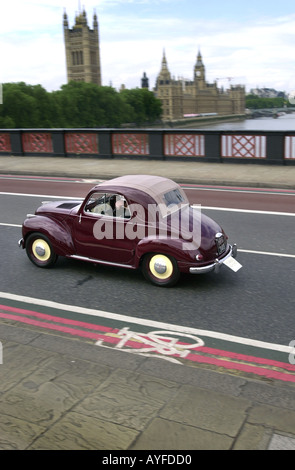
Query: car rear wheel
(39, 250)
(161, 270)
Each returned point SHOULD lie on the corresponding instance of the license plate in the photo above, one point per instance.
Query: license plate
(233, 264)
(221, 248)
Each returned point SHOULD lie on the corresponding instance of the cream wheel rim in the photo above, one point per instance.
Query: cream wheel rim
(161, 266)
(41, 250)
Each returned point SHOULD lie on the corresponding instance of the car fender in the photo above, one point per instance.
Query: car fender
(166, 246)
(57, 233)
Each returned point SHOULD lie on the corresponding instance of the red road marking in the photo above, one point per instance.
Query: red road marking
(55, 319)
(287, 373)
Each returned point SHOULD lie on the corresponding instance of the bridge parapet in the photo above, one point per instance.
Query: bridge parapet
(270, 147)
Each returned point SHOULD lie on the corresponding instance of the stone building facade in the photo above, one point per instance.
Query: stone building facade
(182, 98)
(82, 49)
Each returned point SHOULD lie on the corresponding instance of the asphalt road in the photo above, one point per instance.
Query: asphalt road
(257, 302)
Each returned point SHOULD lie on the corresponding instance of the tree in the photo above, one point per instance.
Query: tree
(146, 108)
(76, 104)
(26, 106)
(255, 102)
(88, 105)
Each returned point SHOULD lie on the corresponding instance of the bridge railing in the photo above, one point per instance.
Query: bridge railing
(270, 147)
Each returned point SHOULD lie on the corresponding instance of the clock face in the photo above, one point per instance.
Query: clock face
(198, 73)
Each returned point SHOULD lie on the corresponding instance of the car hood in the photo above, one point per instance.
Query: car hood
(57, 207)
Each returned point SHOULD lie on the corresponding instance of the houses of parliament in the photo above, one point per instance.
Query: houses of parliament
(180, 98)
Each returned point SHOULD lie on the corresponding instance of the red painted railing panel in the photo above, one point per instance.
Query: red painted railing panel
(37, 142)
(81, 143)
(289, 147)
(5, 145)
(130, 144)
(184, 145)
(243, 146)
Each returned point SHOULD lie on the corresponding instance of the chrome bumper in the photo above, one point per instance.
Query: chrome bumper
(217, 263)
(21, 243)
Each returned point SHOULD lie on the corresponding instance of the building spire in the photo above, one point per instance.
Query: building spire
(164, 62)
(66, 23)
(199, 58)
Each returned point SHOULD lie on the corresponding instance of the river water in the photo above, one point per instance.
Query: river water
(283, 123)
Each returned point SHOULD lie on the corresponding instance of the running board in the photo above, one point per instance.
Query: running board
(98, 261)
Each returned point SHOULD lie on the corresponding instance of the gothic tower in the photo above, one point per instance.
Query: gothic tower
(82, 49)
(144, 81)
(199, 72)
(169, 92)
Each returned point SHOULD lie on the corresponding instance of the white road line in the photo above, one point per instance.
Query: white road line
(248, 211)
(244, 191)
(240, 250)
(267, 253)
(41, 195)
(225, 209)
(10, 225)
(149, 323)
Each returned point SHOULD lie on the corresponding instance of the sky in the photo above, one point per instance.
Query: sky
(242, 42)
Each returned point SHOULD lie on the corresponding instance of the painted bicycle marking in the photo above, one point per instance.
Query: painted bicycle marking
(178, 347)
(160, 343)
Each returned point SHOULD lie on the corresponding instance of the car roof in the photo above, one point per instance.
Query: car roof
(147, 183)
(154, 186)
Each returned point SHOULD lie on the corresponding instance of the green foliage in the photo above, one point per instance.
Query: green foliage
(146, 108)
(75, 105)
(25, 106)
(255, 102)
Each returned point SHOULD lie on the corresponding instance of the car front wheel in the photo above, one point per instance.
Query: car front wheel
(161, 270)
(39, 250)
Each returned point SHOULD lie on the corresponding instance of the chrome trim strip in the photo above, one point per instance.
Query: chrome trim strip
(216, 265)
(98, 261)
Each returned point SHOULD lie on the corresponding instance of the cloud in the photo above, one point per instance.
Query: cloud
(133, 34)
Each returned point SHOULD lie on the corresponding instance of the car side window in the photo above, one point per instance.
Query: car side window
(108, 204)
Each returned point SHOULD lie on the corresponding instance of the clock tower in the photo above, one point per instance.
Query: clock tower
(199, 72)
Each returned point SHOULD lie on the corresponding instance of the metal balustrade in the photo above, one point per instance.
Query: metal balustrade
(130, 144)
(37, 142)
(5, 146)
(243, 146)
(184, 145)
(273, 147)
(81, 143)
(289, 147)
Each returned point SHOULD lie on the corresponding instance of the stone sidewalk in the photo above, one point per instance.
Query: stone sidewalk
(245, 174)
(58, 393)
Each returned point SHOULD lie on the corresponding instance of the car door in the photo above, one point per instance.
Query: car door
(100, 229)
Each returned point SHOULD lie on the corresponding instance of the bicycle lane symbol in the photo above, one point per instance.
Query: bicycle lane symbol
(163, 344)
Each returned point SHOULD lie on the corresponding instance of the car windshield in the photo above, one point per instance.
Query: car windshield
(172, 200)
(173, 197)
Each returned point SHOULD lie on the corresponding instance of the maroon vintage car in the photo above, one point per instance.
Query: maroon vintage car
(135, 221)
